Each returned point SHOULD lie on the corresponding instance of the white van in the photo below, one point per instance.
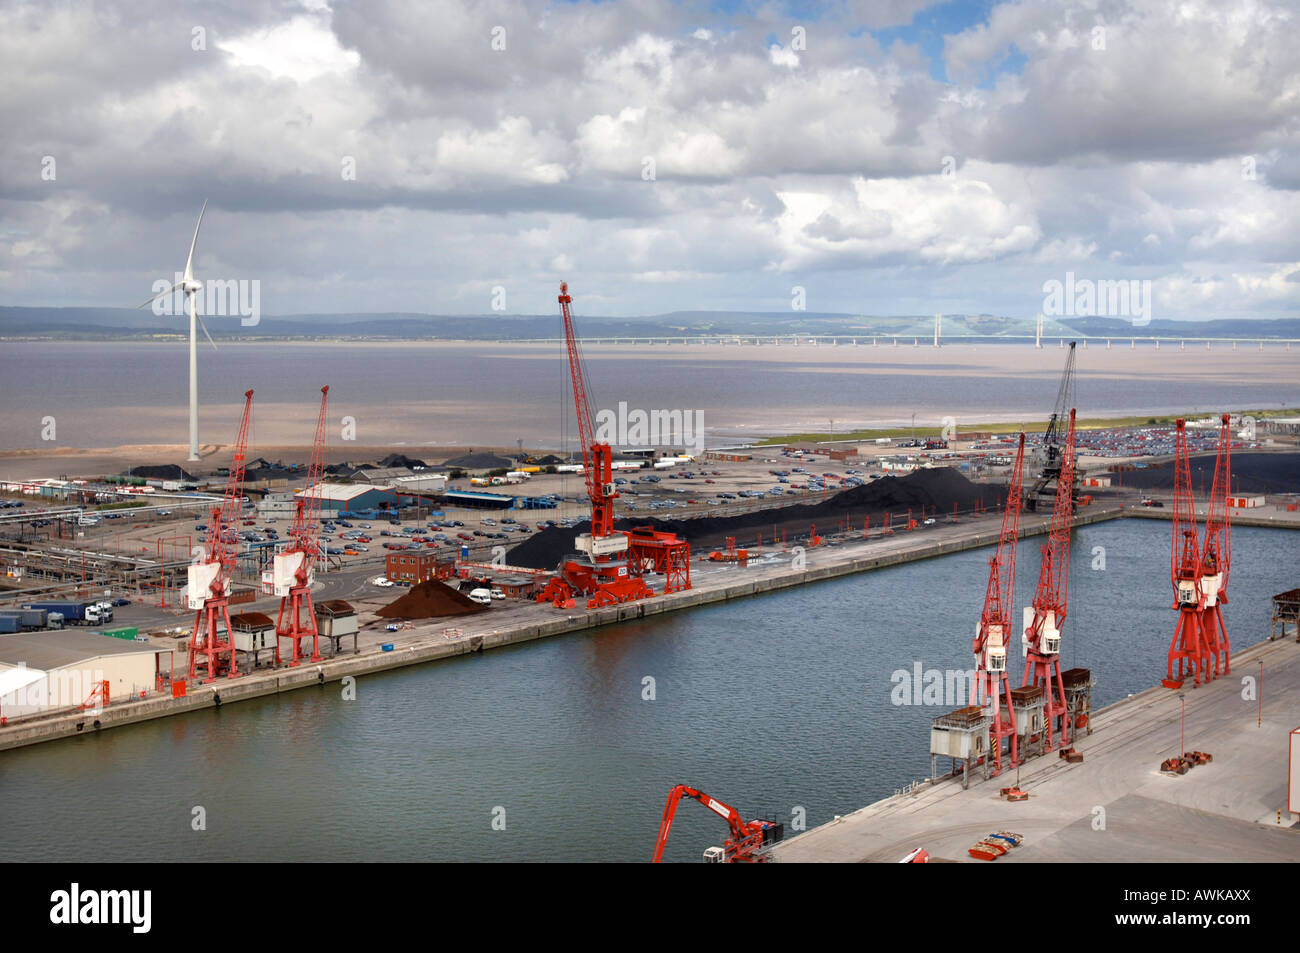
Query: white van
(497, 593)
(481, 596)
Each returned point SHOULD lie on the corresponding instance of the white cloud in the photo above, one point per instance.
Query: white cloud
(780, 56)
(301, 49)
(935, 221)
(823, 162)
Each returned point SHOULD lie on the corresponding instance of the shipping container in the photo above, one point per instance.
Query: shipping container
(30, 619)
(71, 611)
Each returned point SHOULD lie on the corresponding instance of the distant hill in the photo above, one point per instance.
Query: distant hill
(133, 324)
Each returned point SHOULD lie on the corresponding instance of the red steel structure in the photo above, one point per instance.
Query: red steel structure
(293, 567)
(208, 588)
(990, 642)
(1216, 555)
(748, 841)
(656, 551)
(1185, 571)
(1043, 620)
(604, 571)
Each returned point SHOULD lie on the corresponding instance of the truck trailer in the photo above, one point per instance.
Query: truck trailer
(77, 613)
(28, 619)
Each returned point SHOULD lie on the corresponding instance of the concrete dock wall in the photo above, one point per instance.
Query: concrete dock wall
(432, 645)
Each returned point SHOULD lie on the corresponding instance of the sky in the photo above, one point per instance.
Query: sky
(890, 157)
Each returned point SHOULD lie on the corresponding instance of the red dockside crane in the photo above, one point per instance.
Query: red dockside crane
(748, 843)
(292, 568)
(1043, 620)
(1185, 569)
(208, 582)
(990, 643)
(1216, 554)
(602, 570)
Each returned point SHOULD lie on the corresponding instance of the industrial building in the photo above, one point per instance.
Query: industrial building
(276, 506)
(480, 501)
(336, 498)
(380, 476)
(420, 483)
(410, 567)
(47, 671)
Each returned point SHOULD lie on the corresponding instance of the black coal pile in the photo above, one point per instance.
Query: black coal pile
(480, 461)
(168, 471)
(1251, 473)
(398, 460)
(934, 489)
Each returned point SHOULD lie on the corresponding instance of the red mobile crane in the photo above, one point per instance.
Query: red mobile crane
(1185, 571)
(748, 842)
(602, 569)
(292, 569)
(1043, 620)
(990, 643)
(208, 581)
(1216, 554)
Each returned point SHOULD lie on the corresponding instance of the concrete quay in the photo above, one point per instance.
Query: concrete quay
(514, 624)
(1116, 805)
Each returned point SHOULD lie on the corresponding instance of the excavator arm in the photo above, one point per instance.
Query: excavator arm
(745, 838)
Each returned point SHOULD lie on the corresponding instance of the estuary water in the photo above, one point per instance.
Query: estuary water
(779, 703)
(421, 394)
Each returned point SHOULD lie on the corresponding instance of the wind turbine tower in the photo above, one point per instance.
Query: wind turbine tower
(190, 287)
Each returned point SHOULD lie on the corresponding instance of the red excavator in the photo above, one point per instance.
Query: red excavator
(749, 842)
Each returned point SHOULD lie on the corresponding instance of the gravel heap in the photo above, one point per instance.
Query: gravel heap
(431, 599)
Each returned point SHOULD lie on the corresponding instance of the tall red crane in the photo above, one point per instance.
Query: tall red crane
(748, 842)
(1216, 554)
(990, 643)
(1185, 571)
(292, 572)
(208, 581)
(1044, 618)
(601, 570)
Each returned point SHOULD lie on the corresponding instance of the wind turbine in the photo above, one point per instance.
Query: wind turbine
(191, 287)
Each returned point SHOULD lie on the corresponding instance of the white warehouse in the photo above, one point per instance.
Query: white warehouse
(47, 671)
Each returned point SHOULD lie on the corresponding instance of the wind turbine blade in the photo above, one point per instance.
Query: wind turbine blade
(159, 295)
(205, 332)
(189, 262)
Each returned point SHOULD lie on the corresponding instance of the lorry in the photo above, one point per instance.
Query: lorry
(77, 613)
(28, 619)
